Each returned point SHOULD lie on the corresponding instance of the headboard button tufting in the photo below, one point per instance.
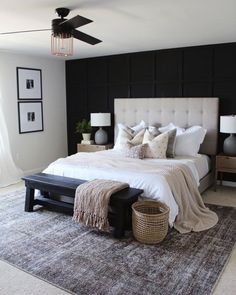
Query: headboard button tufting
(180, 111)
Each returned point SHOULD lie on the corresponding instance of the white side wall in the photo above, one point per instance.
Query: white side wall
(32, 152)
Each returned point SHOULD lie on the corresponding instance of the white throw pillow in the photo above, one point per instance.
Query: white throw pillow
(188, 143)
(171, 126)
(139, 127)
(124, 135)
(126, 127)
(153, 130)
(156, 147)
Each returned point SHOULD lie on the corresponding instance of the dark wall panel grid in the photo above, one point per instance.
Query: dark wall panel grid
(93, 83)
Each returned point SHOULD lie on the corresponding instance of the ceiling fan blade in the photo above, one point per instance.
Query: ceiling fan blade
(85, 38)
(28, 31)
(76, 21)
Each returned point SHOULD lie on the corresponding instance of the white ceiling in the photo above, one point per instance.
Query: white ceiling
(122, 25)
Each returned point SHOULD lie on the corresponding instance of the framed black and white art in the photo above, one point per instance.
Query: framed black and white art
(30, 116)
(29, 83)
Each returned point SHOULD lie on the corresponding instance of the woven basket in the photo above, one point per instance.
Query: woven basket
(150, 221)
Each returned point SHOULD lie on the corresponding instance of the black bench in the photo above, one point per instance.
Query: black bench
(119, 215)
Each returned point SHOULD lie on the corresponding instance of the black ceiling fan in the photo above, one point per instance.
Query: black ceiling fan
(65, 26)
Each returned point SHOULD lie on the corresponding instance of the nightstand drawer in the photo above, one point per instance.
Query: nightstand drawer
(226, 162)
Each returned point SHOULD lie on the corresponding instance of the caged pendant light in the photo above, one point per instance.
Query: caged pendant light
(62, 44)
(61, 38)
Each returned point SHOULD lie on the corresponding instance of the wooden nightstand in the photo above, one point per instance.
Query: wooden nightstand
(93, 147)
(224, 164)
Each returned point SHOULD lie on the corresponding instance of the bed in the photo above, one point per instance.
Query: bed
(184, 112)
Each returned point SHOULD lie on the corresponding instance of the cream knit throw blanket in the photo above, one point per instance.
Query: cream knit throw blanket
(193, 214)
(92, 200)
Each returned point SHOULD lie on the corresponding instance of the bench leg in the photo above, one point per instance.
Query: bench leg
(29, 199)
(119, 229)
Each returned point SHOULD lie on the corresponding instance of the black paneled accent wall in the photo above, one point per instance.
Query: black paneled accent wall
(93, 83)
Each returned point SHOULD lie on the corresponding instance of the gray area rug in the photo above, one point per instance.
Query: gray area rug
(50, 245)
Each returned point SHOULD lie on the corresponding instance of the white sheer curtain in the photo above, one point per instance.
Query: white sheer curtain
(9, 173)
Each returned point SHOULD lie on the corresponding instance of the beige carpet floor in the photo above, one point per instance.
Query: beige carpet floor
(16, 282)
(224, 196)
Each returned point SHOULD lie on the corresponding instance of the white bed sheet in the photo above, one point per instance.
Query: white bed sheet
(141, 174)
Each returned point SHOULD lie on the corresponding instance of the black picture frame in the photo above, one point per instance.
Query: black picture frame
(29, 83)
(30, 116)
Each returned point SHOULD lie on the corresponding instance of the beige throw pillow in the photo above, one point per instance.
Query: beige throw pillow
(138, 138)
(156, 147)
(123, 137)
(150, 133)
(148, 136)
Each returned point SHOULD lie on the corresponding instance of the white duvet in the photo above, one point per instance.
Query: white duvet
(113, 165)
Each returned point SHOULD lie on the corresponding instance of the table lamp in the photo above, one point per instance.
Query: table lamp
(228, 125)
(100, 120)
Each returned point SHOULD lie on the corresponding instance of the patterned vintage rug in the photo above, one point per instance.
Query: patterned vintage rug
(50, 245)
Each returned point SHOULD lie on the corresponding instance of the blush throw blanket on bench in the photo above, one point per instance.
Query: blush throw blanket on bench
(92, 200)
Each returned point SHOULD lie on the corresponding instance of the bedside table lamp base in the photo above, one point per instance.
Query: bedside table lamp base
(229, 147)
(100, 120)
(101, 136)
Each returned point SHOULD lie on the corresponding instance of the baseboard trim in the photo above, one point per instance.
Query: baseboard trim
(228, 183)
(37, 170)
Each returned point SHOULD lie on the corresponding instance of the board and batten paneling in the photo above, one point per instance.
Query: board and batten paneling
(93, 83)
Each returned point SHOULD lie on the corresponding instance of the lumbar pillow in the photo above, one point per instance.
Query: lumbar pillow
(188, 143)
(171, 126)
(135, 151)
(156, 147)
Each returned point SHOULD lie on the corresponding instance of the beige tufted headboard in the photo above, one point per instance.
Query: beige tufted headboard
(183, 112)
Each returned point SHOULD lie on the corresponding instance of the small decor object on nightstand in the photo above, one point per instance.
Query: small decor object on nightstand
(85, 128)
(87, 141)
(228, 125)
(101, 120)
